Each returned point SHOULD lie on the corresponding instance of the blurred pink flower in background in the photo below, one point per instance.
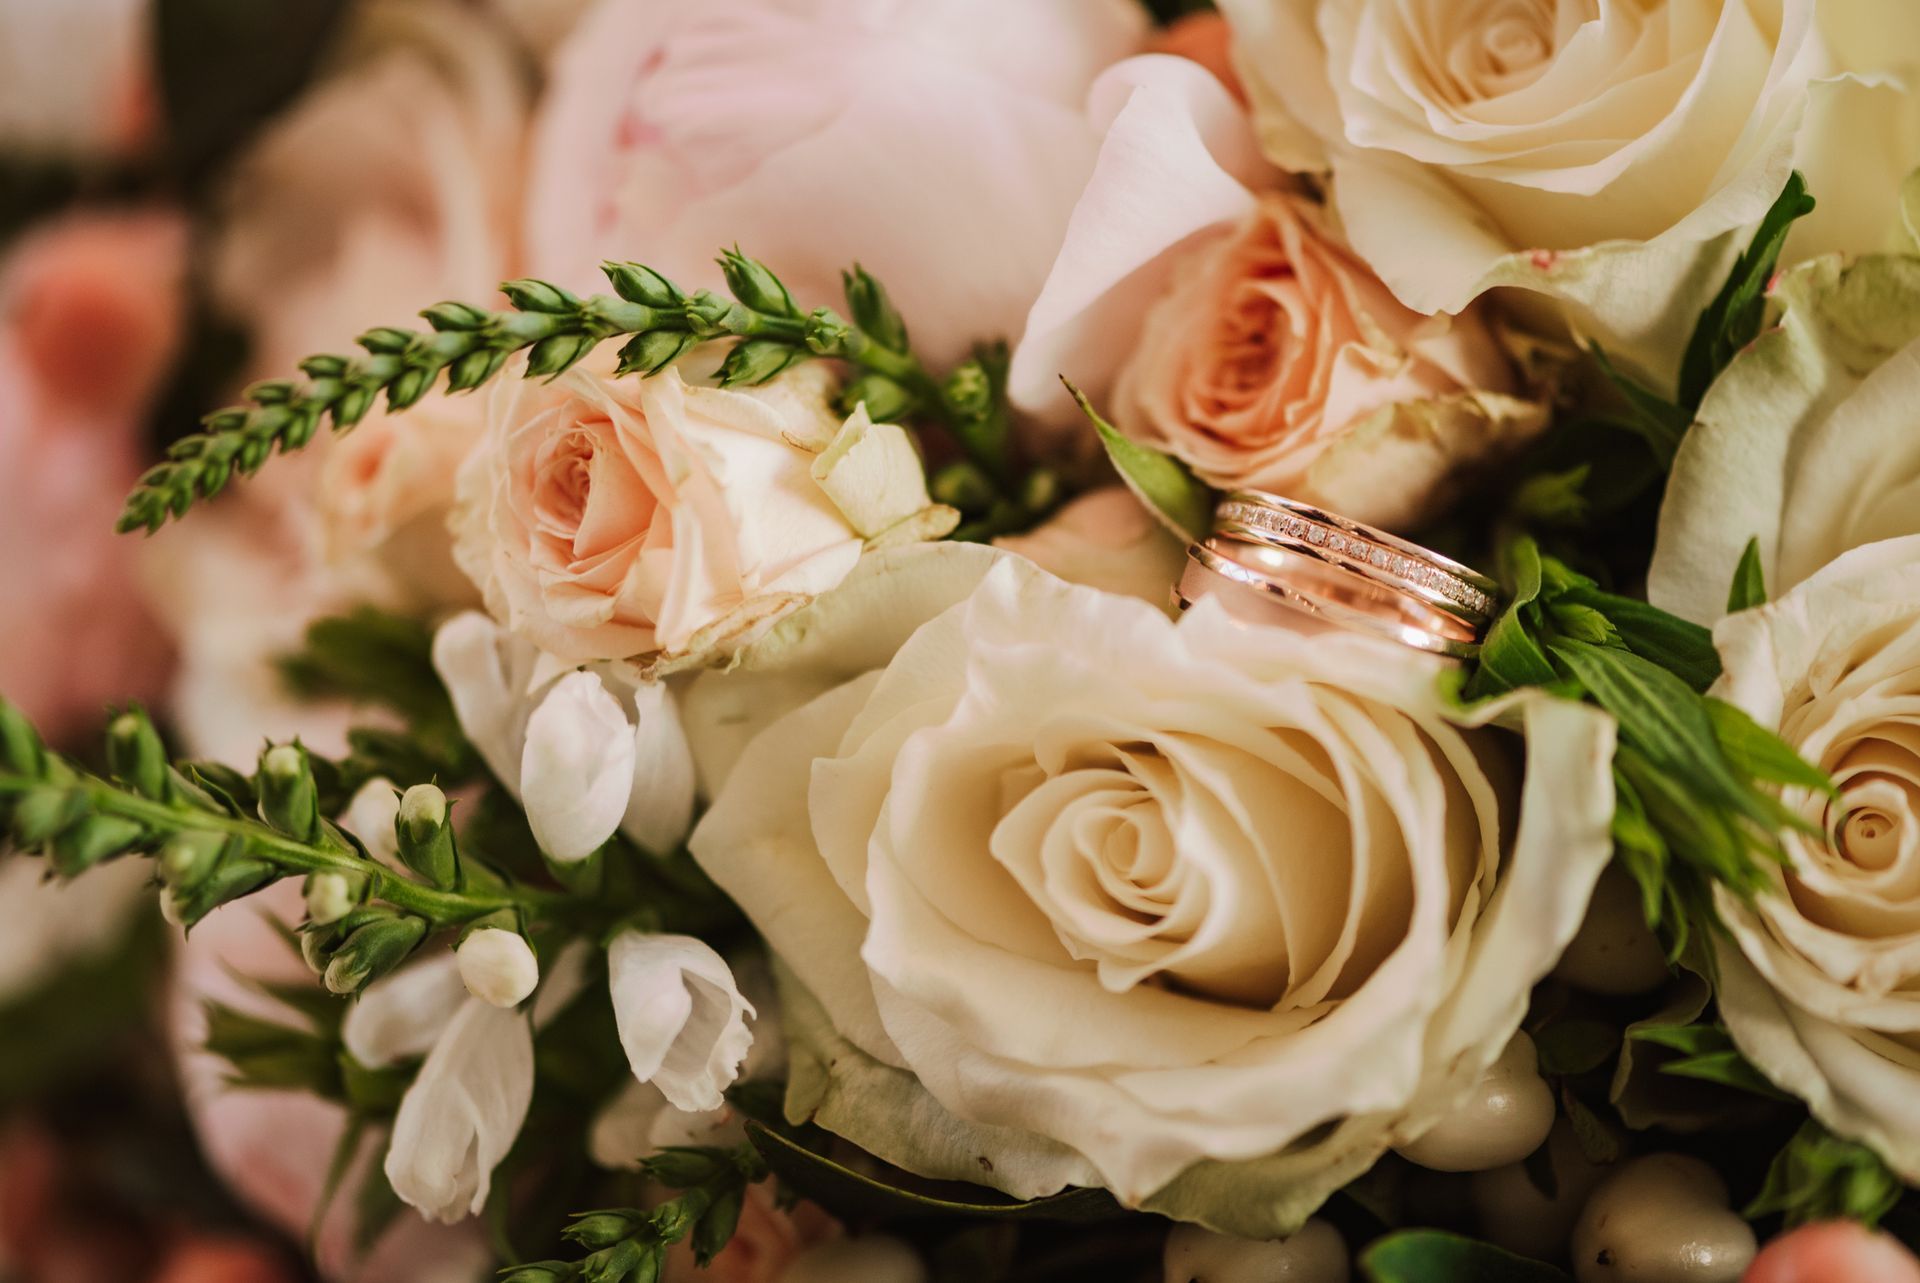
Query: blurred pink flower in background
(1833, 1252)
(79, 77)
(90, 319)
(815, 133)
(272, 1148)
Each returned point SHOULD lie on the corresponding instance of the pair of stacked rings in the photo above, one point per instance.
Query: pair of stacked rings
(1274, 557)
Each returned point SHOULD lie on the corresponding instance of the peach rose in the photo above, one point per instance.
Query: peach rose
(89, 321)
(1239, 333)
(816, 132)
(606, 518)
(386, 490)
(1106, 540)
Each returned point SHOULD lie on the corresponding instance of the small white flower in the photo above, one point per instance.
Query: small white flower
(498, 966)
(460, 1116)
(329, 897)
(681, 1018)
(576, 771)
(402, 1016)
(370, 815)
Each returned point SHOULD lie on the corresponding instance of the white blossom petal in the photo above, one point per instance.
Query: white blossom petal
(370, 815)
(682, 1020)
(403, 1015)
(576, 771)
(660, 809)
(461, 1115)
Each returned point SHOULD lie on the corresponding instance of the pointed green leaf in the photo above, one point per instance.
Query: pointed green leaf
(1436, 1256)
(1167, 486)
(1734, 317)
(1749, 581)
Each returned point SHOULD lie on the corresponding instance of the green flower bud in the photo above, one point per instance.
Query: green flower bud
(90, 840)
(386, 340)
(873, 311)
(596, 1230)
(827, 334)
(324, 367)
(20, 748)
(289, 799)
(556, 355)
(707, 314)
(269, 392)
(234, 878)
(751, 283)
(653, 351)
(715, 1230)
(886, 400)
(683, 1168)
(423, 831)
(754, 361)
(373, 950)
(41, 813)
(1041, 490)
(539, 296)
(412, 384)
(962, 485)
(640, 284)
(460, 317)
(627, 1261)
(135, 755)
(332, 896)
(189, 858)
(353, 404)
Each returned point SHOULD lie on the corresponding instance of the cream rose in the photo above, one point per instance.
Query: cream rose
(1805, 443)
(1071, 893)
(605, 518)
(1268, 356)
(1596, 151)
(1820, 979)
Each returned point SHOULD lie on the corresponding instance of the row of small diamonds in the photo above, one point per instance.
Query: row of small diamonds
(1353, 546)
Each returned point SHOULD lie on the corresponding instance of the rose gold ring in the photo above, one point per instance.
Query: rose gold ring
(1278, 522)
(1276, 585)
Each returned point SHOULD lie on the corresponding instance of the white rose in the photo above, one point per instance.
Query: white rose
(1106, 540)
(1208, 914)
(606, 518)
(1598, 152)
(1806, 442)
(1819, 979)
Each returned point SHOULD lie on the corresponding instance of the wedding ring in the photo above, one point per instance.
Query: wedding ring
(1278, 522)
(1275, 585)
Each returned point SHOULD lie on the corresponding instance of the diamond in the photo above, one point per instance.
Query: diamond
(1379, 558)
(1316, 535)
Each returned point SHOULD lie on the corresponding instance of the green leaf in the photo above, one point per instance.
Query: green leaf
(1819, 1177)
(1166, 485)
(1436, 1256)
(1651, 417)
(847, 1192)
(1575, 1046)
(1749, 581)
(1680, 646)
(1553, 498)
(269, 1055)
(1734, 317)
(1758, 753)
(1708, 1054)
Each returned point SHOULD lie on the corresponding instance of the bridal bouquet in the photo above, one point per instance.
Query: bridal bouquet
(1039, 643)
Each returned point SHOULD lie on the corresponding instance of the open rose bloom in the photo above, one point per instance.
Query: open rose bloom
(1133, 902)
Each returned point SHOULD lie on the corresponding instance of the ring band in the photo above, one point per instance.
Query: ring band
(1291, 582)
(1278, 522)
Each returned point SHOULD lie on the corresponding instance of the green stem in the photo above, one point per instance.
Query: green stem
(441, 908)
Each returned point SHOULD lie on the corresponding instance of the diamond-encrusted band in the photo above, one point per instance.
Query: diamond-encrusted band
(1272, 585)
(1283, 523)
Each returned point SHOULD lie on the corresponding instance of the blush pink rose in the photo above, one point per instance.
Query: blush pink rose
(607, 518)
(1833, 1252)
(90, 317)
(1204, 38)
(272, 1148)
(1231, 327)
(386, 490)
(817, 132)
